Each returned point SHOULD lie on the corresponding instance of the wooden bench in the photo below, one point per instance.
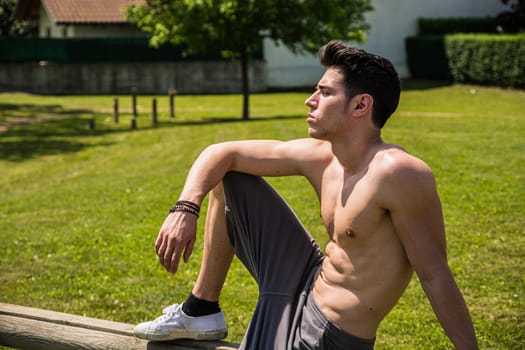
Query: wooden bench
(30, 328)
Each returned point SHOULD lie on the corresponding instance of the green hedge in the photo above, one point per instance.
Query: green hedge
(426, 57)
(487, 59)
(442, 26)
(435, 54)
(91, 50)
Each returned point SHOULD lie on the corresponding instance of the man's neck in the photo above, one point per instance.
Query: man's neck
(354, 152)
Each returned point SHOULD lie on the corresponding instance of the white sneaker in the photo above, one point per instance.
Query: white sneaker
(175, 324)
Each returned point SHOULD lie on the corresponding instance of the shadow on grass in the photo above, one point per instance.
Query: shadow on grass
(220, 120)
(31, 130)
(20, 150)
(57, 136)
(63, 132)
(36, 111)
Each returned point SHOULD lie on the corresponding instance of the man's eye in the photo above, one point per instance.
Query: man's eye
(324, 93)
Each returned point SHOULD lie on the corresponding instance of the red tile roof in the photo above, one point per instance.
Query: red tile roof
(78, 11)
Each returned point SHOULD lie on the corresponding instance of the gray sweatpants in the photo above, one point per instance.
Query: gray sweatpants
(283, 258)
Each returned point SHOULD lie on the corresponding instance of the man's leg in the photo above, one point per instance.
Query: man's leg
(274, 246)
(217, 252)
(200, 317)
(280, 254)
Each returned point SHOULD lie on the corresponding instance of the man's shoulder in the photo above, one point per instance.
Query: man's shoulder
(405, 180)
(394, 159)
(397, 167)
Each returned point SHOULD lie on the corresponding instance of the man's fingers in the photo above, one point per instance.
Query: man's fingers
(172, 257)
(160, 249)
(174, 262)
(188, 250)
(175, 240)
(158, 243)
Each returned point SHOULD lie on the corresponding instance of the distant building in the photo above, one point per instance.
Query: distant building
(79, 18)
(391, 22)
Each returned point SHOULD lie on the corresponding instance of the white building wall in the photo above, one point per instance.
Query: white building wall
(391, 22)
(49, 29)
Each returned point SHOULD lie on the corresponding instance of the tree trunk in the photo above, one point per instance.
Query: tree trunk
(245, 85)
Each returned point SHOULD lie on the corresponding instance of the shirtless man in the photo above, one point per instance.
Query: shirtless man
(378, 203)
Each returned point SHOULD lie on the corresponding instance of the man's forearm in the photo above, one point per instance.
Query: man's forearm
(207, 171)
(451, 310)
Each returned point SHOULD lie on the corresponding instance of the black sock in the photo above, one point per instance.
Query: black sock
(196, 307)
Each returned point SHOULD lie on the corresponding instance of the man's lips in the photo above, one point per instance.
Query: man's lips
(310, 117)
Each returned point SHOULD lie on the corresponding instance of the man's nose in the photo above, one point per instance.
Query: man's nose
(311, 101)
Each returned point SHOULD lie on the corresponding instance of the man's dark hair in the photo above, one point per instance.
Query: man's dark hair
(365, 73)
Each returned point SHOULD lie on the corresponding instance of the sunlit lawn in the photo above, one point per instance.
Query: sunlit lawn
(80, 209)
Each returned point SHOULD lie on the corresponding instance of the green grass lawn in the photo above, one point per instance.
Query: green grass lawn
(80, 209)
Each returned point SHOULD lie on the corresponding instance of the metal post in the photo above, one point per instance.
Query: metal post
(172, 92)
(134, 101)
(154, 111)
(115, 110)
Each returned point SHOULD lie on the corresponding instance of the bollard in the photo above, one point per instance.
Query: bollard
(91, 122)
(115, 110)
(134, 101)
(171, 93)
(154, 111)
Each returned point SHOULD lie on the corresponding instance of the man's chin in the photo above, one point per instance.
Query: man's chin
(315, 134)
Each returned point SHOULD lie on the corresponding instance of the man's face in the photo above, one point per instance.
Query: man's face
(328, 106)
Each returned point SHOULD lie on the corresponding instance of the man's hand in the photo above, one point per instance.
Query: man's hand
(176, 237)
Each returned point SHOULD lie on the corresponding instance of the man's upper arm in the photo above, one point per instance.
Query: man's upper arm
(255, 157)
(276, 158)
(418, 220)
(415, 209)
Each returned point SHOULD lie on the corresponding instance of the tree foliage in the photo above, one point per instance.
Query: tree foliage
(11, 28)
(516, 13)
(236, 28)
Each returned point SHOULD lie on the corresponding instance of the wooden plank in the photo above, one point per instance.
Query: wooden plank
(66, 319)
(31, 328)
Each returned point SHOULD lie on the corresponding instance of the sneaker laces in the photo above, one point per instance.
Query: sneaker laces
(168, 313)
(172, 309)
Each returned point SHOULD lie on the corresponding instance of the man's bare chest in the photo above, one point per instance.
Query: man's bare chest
(352, 209)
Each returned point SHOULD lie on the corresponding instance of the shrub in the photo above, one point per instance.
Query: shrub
(442, 26)
(487, 59)
(426, 57)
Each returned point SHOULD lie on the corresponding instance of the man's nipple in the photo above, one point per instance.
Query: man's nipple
(350, 233)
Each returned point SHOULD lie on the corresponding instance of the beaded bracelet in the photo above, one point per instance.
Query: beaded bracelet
(186, 206)
(189, 204)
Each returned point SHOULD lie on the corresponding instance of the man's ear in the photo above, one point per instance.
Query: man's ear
(362, 105)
